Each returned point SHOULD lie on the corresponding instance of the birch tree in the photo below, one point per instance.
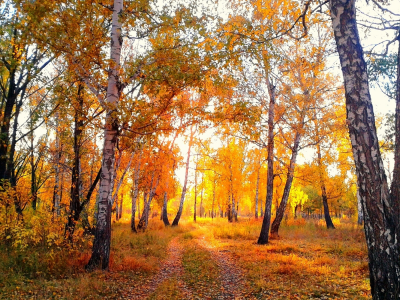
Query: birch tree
(380, 209)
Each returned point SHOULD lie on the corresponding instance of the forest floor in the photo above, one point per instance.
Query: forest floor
(209, 259)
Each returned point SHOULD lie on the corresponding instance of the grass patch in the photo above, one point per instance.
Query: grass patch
(167, 290)
(42, 274)
(201, 271)
(307, 262)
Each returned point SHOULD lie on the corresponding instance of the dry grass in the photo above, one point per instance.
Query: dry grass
(306, 262)
(134, 258)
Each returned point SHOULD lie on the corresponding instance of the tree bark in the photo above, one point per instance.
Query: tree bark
(380, 219)
(264, 234)
(143, 222)
(33, 168)
(102, 239)
(135, 193)
(74, 206)
(165, 210)
(395, 185)
(56, 195)
(121, 180)
(256, 200)
(116, 209)
(202, 212)
(328, 220)
(360, 217)
(179, 213)
(195, 195)
(213, 201)
(288, 185)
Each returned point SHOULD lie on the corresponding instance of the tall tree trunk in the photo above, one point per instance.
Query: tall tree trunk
(195, 194)
(56, 195)
(116, 209)
(380, 211)
(395, 186)
(264, 234)
(256, 200)
(179, 213)
(33, 168)
(201, 199)
(120, 207)
(102, 239)
(121, 180)
(142, 219)
(286, 191)
(135, 193)
(165, 210)
(234, 211)
(212, 207)
(328, 220)
(74, 206)
(11, 99)
(10, 169)
(142, 225)
(232, 203)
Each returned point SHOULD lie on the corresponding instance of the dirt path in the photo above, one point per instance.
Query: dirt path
(171, 267)
(231, 277)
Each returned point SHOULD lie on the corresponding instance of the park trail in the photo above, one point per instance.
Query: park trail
(232, 284)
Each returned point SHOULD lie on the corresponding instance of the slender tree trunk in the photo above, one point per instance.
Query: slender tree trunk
(380, 211)
(5, 124)
(328, 220)
(286, 191)
(256, 200)
(33, 168)
(135, 193)
(229, 212)
(116, 209)
(142, 219)
(10, 169)
(102, 239)
(142, 225)
(195, 195)
(165, 210)
(264, 234)
(120, 207)
(56, 195)
(179, 213)
(121, 180)
(212, 208)
(202, 212)
(74, 206)
(195, 206)
(234, 210)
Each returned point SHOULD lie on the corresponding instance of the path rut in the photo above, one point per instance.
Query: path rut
(231, 276)
(170, 267)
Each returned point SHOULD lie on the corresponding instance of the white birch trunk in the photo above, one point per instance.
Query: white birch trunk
(380, 220)
(135, 193)
(101, 243)
(179, 213)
